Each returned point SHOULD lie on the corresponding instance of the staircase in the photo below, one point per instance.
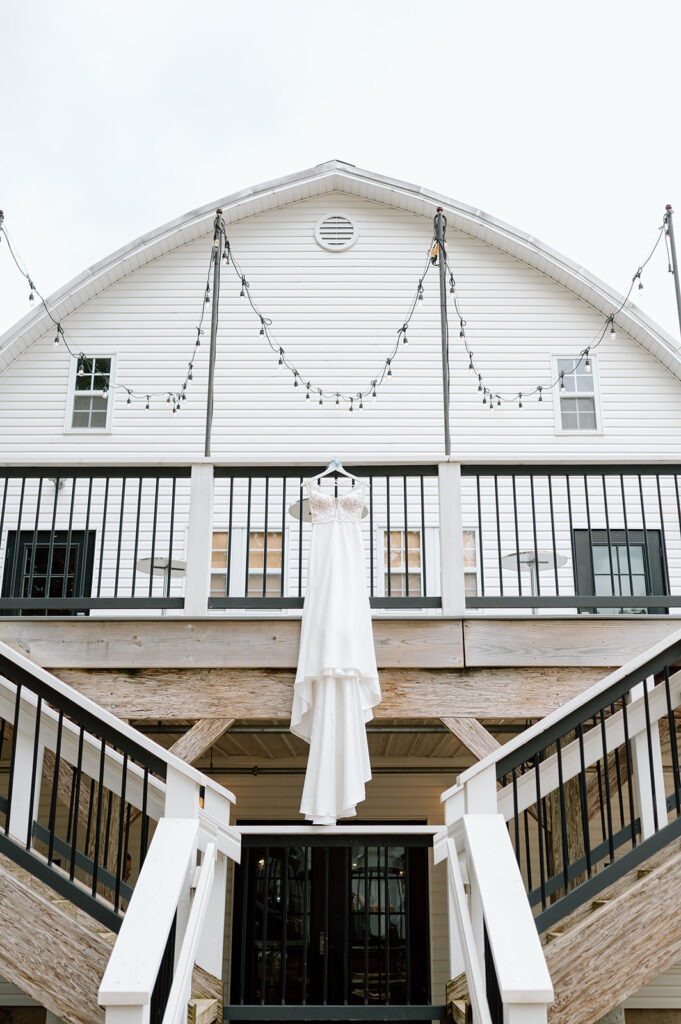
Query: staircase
(563, 852)
(113, 857)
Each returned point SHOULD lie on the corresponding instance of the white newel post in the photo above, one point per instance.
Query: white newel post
(210, 948)
(199, 540)
(642, 755)
(452, 579)
(20, 810)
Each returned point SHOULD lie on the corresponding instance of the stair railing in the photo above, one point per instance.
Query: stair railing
(579, 799)
(88, 803)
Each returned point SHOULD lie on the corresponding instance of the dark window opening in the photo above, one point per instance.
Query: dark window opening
(620, 563)
(48, 565)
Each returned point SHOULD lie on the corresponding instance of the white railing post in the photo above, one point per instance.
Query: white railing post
(650, 804)
(199, 540)
(20, 809)
(452, 579)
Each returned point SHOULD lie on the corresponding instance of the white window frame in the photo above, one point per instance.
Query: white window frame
(71, 394)
(432, 561)
(558, 419)
(237, 563)
(473, 572)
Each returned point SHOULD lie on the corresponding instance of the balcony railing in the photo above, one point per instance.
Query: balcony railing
(449, 538)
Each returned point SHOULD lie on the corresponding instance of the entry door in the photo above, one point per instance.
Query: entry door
(333, 925)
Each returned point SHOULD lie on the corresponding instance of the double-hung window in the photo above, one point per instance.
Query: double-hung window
(253, 567)
(90, 393)
(402, 563)
(577, 406)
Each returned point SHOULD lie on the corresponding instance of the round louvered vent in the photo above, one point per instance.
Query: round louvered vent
(336, 231)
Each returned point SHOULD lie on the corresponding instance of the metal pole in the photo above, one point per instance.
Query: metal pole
(440, 226)
(675, 266)
(218, 239)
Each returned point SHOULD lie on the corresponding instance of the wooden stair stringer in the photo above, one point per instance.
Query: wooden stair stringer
(56, 953)
(599, 957)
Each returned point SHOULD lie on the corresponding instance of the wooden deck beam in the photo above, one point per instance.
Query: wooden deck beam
(423, 642)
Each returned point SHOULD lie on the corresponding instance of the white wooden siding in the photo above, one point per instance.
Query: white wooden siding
(336, 314)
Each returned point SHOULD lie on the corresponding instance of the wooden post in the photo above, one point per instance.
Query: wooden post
(451, 540)
(19, 814)
(199, 541)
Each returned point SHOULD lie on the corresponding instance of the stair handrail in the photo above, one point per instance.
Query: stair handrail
(646, 663)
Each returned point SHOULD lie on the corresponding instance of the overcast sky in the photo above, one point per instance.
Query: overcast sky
(560, 119)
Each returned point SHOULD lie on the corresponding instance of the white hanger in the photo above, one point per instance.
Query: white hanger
(335, 466)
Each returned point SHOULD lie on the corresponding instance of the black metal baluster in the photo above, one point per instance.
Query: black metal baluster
(406, 540)
(645, 537)
(249, 500)
(120, 538)
(228, 581)
(72, 792)
(34, 770)
(82, 575)
(387, 924)
(50, 548)
(537, 574)
(76, 803)
(626, 533)
(496, 505)
(140, 481)
(517, 538)
(107, 830)
(284, 930)
(618, 775)
(34, 543)
(264, 551)
(651, 760)
(516, 815)
(588, 526)
(119, 850)
(88, 823)
(265, 908)
(17, 546)
(663, 539)
(630, 773)
(388, 538)
(583, 799)
(371, 536)
(672, 742)
(407, 910)
(300, 539)
(55, 787)
(553, 534)
(482, 560)
(325, 974)
(366, 925)
(542, 875)
(69, 541)
(248, 856)
(423, 538)
(306, 919)
(4, 506)
(101, 543)
(347, 858)
(606, 779)
(563, 816)
(528, 857)
(572, 531)
(144, 831)
(283, 534)
(98, 818)
(609, 536)
(170, 540)
(154, 526)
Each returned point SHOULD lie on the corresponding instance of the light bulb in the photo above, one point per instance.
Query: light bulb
(337, 400)
(56, 338)
(350, 409)
(105, 391)
(587, 364)
(321, 399)
(168, 400)
(404, 338)
(419, 294)
(520, 400)
(207, 298)
(540, 397)
(361, 403)
(216, 241)
(262, 328)
(479, 382)
(484, 398)
(129, 401)
(389, 375)
(373, 394)
(451, 284)
(470, 364)
(242, 295)
(81, 371)
(147, 405)
(498, 402)
(563, 389)
(613, 332)
(307, 394)
(224, 256)
(31, 297)
(640, 285)
(295, 380)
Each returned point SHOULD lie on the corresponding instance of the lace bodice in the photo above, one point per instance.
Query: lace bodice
(326, 508)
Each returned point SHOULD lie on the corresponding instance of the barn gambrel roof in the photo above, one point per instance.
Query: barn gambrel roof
(335, 175)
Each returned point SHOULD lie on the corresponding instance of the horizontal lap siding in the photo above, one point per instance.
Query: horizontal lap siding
(336, 314)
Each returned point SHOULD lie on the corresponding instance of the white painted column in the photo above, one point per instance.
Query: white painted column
(209, 952)
(199, 540)
(451, 540)
(641, 758)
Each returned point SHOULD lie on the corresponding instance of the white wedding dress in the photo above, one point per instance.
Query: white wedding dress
(337, 680)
